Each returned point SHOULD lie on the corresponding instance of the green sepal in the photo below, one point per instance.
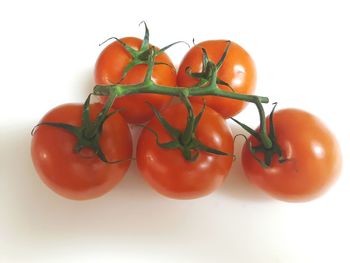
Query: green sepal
(221, 82)
(208, 74)
(268, 153)
(166, 145)
(145, 42)
(189, 130)
(252, 150)
(144, 54)
(102, 118)
(131, 51)
(247, 128)
(129, 66)
(196, 75)
(222, 59)
(102, 156)
(208, 149)
(150, 63)
(174, 133)
(170, 145)
(205, 58)
(190, 154)
(70, 128)
(86, 112)
(88, 134)
(162, 50)
(165, 64)
(199, 116)
(184, 141)
(272, 133)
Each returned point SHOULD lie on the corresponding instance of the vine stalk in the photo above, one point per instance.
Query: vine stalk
(119, 90)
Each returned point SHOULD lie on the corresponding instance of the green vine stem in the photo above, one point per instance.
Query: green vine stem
(148, 86)
(207, 85)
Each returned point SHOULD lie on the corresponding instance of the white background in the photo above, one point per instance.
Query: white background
(48, 50)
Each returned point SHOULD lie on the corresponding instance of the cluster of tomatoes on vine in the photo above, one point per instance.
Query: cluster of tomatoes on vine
(186, 148)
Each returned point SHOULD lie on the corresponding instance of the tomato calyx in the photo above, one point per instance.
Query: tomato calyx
(268, 148)
(186, 140)
(208, 75)
(142, 55)
(88, 134)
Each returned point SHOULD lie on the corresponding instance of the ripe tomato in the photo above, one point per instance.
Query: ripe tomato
(109, 69)
(70, 174)
(312, 153)
(168, 172)
(238, 70)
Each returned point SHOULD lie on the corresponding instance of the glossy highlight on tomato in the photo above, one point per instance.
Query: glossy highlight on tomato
(82, 175)
(312, 153)
(167, 171)
(238, 70)
(109, 69)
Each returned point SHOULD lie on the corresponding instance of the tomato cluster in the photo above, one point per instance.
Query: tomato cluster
(185, 150)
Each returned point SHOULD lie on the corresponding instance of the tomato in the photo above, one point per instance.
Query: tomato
(238, 71)
(313, 158)
(109, 69)
(168, 172)
(80, 175)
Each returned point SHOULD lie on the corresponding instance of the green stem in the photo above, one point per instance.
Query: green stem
(101, 116)
(119, 90)
(265, 139)
(122, 90)
(189, 130)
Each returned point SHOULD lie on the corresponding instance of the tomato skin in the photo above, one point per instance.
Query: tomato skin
(238, 70)
(68, 173)
(314, 158)
(109, 69)
(168, 172)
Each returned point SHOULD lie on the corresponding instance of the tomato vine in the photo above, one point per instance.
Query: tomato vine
(186, 150)
(208, 85)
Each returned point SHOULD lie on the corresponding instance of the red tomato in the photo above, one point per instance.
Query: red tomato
(109, 69)
(70, 174)
(238, 70)
(312, 153)
(168, 172)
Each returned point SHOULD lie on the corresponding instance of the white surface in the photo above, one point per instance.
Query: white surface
(47, 54)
